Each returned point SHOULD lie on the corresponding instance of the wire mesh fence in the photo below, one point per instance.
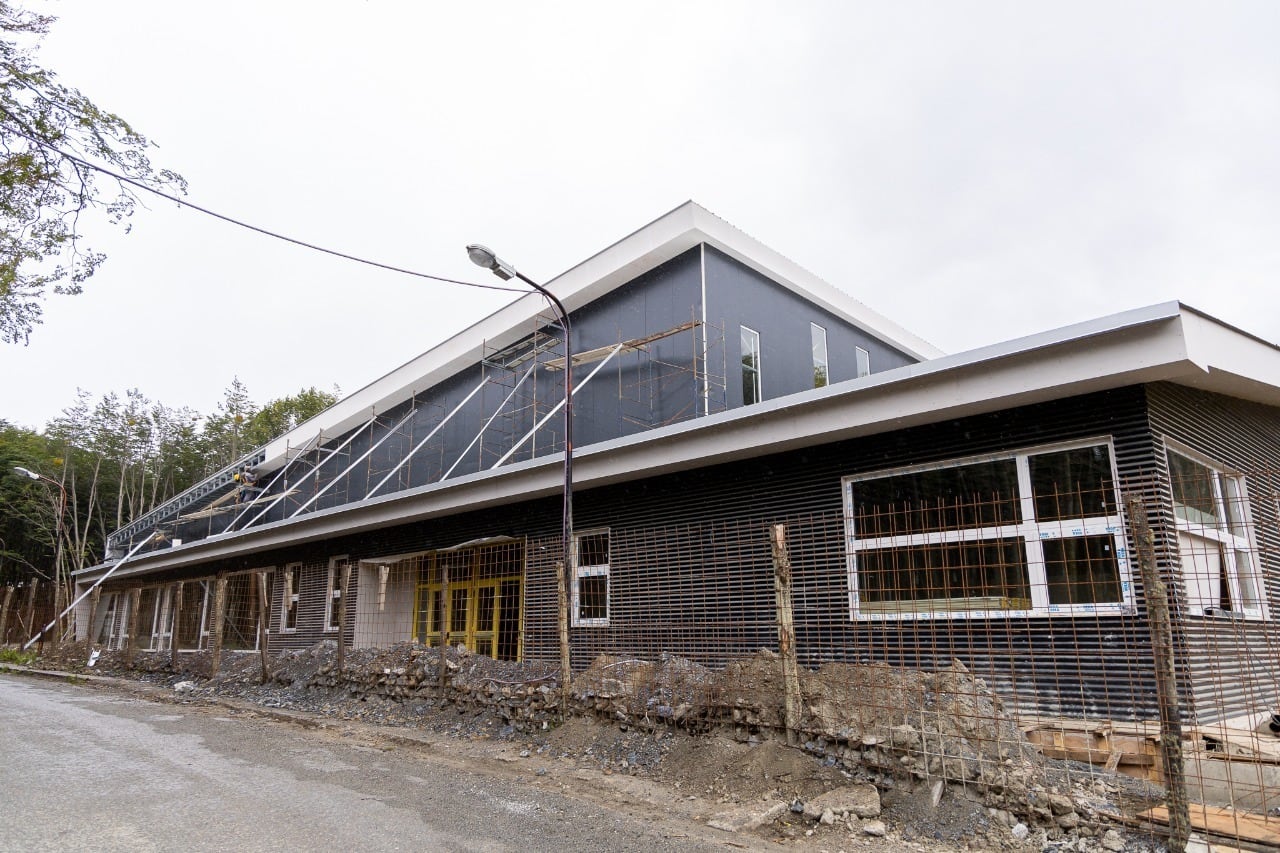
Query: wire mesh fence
(1071, 654)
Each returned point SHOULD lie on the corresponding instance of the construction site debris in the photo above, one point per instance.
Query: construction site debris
(932, 752)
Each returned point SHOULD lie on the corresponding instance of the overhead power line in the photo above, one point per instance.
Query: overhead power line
(251, 227)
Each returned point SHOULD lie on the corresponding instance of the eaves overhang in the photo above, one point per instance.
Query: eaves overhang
(1167, 342)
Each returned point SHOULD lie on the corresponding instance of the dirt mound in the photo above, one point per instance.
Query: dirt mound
(734, 771)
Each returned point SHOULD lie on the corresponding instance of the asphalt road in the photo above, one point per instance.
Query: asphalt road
(84, 769)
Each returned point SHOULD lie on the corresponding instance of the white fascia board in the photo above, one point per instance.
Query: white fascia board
(1146, 345)
(944, 389)
(665, 238)
(1235, 362)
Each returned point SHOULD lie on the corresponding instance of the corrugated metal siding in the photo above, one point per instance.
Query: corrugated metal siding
(706, 591)
(1231, 667)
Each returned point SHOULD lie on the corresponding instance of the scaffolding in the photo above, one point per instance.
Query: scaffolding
(656, 389)
(669, 376)
(514, 371)
(662, 378)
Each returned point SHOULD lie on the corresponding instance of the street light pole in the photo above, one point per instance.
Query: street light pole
(57, 534)
(484, 257)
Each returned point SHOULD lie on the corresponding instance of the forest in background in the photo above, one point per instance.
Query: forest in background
(118, 458)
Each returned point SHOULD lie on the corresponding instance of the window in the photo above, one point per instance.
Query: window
(591, 578)
(1033, 531)
(1219, 566)
(289, 597)
(750, 366)
(818, 338)
(864, 361)
(334, 595)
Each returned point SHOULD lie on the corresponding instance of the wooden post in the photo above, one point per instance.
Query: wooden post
(177, 621)
(264, 612)
(219, 622)
(566, 669)
(95, 598)
(31, 608)
(786, 631)
(53, 636)
(444, 623)
(342, 615)
(131, 639)
(4, 614)
(1157, 596)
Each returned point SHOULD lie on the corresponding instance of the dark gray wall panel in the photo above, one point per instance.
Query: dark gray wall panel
(739, 296)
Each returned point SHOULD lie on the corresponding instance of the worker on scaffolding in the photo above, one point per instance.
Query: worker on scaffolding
(248, 481)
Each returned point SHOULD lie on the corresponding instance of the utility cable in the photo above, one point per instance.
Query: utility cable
(264, 231)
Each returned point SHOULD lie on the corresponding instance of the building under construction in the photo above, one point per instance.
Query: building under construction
(975, 508)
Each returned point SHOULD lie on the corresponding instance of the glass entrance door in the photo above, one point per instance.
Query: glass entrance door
(484, 601)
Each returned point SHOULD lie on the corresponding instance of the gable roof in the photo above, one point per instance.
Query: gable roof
(654, 244)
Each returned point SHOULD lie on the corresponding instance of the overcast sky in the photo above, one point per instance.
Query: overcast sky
(974, 171)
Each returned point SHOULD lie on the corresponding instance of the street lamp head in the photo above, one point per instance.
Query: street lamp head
(483, 256)
(24, 472)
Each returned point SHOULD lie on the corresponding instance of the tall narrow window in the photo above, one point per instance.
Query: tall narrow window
(750, 366)
(289, 597)
(864, 361)
(591, 578)
(334, 594)
(1219, 567)
(818, 338)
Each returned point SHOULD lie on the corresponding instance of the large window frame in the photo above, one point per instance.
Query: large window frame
(591, 567)
(290, 597)
(333, 592)
(752, 388)
(1215, 537)
(1024, 532)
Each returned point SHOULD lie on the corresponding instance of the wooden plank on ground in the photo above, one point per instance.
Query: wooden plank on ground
(1225, 823)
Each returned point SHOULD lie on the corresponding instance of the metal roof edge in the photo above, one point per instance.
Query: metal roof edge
(1132, 347)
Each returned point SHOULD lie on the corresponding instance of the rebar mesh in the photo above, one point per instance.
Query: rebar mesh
(1000, 626)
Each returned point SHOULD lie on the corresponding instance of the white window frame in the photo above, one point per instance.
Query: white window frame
(1031, 532)
(333, 591)
(109, 620)
(206, 587)
(862, 358)
(756, 373)
(288, 596)
(818, 341)
(206, 594)
(162, 630)
(581, 571)
(1230, 545)
(153, 639)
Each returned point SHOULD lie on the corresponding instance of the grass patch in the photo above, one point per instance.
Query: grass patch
(17, 656)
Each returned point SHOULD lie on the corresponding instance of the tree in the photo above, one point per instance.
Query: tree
(26, 516)
(118, 458)
(49, 134)
(224, 430)
(279, 416)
